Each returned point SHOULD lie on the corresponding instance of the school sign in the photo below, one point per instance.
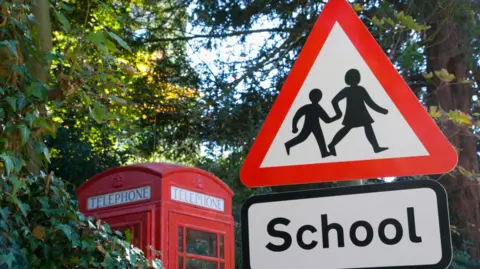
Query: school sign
(345, 113)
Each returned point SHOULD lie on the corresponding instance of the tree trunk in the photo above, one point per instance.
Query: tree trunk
(445, 51)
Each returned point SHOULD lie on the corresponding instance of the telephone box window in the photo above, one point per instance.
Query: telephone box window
(201, 243)
(221, 246)
(180, 239)
(200, 264)
(180, 262)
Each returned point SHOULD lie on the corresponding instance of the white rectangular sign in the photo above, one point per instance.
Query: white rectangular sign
(392, 225)
(118, 198)
(196, 198)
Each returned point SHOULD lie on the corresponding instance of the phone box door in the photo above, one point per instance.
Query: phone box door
(137, 224)
(199, 243)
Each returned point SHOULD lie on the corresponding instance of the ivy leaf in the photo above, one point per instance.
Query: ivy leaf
(16, 183)
(119, 40)
(4, 212)
(67, 230)
(19, 69)
(30, 118)
(8, 259)
(18, 164)
(12, 101)
(24, 132)
(8, 163)
(11, 45)
(40, 148)
(63, 20)
(24, 207)
(37, 89)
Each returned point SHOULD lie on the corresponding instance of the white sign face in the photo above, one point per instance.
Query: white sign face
(198, 199)
(372, 226)
(118, 198)
(362, 102)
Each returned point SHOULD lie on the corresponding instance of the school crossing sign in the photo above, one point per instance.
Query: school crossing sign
(344, 113)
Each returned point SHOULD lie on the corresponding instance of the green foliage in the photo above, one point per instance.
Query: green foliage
(42, 228)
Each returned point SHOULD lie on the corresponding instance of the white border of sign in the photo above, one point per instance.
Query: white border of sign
(442, 207)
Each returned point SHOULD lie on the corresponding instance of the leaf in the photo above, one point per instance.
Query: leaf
(65, 6)
(11, 45)
(428, 75)
(8, 163)
(16, 185)
(19, 69)
(4, 212)
(434, 113)
(444, 75)
(357, 7)
(128, 235)
(63, 20)
(86, 99)
(119, 40)
(18, 164)
(465, 81)
(66, 229)
(12, 101)
(41, 148)
(24, 133)
(38, 232)
(118, 100)
(460, 117)
(37, 89)
(98, 112)
(8, 259)
(97, 39)
(24, 208)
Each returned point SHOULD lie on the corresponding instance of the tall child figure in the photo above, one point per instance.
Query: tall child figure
(356, 113)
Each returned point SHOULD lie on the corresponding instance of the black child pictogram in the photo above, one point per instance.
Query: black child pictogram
(312, 113)
(356, 113)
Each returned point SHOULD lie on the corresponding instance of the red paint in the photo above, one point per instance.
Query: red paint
(156, 221)
(442, 156)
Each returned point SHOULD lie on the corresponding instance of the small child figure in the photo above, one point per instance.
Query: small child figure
(311, 125)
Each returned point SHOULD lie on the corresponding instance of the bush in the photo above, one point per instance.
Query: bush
(41, 227)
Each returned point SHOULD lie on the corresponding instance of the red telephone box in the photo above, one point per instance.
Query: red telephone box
(184, 212)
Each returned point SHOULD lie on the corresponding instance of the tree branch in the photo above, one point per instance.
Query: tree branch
(238, 33)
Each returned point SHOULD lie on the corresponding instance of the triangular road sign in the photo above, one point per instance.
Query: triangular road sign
(344, 113)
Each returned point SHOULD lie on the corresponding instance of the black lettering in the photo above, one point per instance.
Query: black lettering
(110, 199)
(412, 231)
(139, 194)
(99, 199)
(300, 233)
(275, 233)
(353, 233)
(124, 197)
(117, 197)
(130, 198)
(326, 229)
(398, 229)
